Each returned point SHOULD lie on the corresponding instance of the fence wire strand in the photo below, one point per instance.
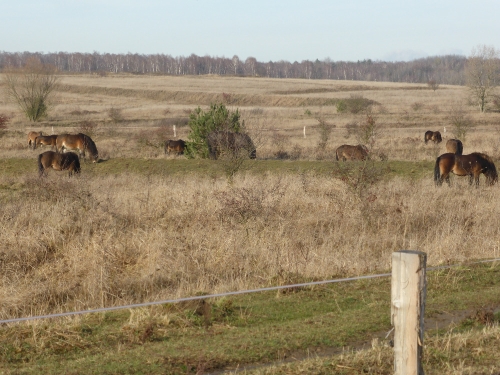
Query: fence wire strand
(272, 288)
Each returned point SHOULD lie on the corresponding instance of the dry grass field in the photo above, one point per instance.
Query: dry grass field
(113, 237)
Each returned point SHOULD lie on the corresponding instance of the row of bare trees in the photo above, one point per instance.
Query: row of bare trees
(29, 84)
(443, 69)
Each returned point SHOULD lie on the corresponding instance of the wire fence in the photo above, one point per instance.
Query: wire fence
(239, 292)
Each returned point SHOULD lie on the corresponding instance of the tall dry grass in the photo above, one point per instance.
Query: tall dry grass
(100, 241)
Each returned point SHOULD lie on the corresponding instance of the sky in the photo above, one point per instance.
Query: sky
(268, 30)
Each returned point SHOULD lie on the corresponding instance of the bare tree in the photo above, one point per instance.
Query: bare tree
(433, 84)
(30, 87)
(482, 74)
(460, 121)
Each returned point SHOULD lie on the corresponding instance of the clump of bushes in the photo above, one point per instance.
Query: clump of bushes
(355, 104)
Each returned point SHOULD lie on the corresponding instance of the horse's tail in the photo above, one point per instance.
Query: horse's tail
(34, 143)
(437, 172)
(41, 169)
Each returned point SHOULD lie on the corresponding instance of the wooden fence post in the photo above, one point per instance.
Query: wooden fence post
(408, 289)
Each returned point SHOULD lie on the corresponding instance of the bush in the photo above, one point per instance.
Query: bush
(461, 122)
(417, 106)
(115, 114)
(31, 88)
(4, 120)
(355, 104)
(365, 132)
(218, 117)
(325, 130)
(341, 106)
(87, 127)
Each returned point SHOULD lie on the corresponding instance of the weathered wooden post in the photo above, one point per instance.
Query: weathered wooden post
(408, 291)
(304, 131)
(175, 133)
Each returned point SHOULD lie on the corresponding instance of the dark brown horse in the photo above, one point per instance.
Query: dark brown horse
(349, 152)
(81, 142)
(471, 165)
(455, 146)
(220, 142)
(31, 138)
(60, 162)
(176, 147)
(45, 140)
(432, 136)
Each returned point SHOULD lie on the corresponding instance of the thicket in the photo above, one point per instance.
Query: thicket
(202, 123)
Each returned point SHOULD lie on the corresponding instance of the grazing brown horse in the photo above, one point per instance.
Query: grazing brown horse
(81, 142)
(348, 152)
(432, 136)
(471, 165)
(45, 140)
(31, 138)
(175, 146)
(236, 143)
(455, 146)
(60, 162)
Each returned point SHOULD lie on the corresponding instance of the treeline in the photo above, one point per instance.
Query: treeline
(447, 69)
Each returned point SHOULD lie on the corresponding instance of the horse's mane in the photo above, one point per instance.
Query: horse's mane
(89, 143)
(492, 170)
(483, 156)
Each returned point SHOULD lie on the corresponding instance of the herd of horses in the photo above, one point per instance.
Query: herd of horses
(221, 142)
(62, 158)
(453, 161)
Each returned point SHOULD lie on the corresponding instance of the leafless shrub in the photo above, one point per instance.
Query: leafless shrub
(433, 84)
(359, 177)
(257, 111)
(325, 130)
(4, 120)
(227, 99)
(461, 122)
(87, 127)
(357, 103)
(280, 142)
(365, 131)
(496, 103)
(417, 106)
(115, 115)
(296, 152)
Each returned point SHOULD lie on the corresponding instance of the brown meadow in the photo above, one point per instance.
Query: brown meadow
(101, 240)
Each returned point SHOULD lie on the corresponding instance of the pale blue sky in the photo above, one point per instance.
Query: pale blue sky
(292, 30)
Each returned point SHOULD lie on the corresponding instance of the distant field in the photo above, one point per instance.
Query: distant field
(141, 225)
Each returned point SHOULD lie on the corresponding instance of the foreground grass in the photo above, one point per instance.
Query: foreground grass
(261, 328)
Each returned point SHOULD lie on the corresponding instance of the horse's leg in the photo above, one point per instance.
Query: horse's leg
(476, 178)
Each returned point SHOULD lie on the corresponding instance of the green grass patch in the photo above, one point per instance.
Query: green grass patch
(19, 166)
(260, 328)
